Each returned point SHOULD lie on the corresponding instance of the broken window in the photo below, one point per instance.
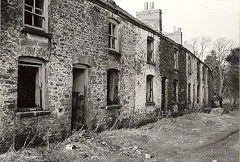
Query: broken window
(149, 88)
(175, 59)
(34, 13)
(189, 65)
(175, 90)
(150, 48)
(112, 87)
(30, 83)
(112, 36)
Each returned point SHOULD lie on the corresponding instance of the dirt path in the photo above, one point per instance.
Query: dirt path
(190, 138)
(194, 138)
(225, 149)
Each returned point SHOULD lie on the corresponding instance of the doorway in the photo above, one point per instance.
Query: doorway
(164, 95)
(79, 98)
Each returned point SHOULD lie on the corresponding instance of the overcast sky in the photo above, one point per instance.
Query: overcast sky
(213, 18)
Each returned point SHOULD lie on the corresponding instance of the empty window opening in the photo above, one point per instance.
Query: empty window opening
(112, 87)
(34, 13)
(149, 88)
(150, 49)
(30, 85)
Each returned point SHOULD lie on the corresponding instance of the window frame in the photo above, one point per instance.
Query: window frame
(149, 99)
(151, 51)
(44, 16)
(40, 64)
(115, 35)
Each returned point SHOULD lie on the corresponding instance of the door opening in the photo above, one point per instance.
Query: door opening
(163, 104)
(79, 96)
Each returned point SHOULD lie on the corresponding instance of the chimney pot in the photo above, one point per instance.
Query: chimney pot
(145, 6)
(151, 5)
(174, 28)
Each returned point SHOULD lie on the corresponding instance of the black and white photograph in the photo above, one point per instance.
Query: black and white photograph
(119, 80)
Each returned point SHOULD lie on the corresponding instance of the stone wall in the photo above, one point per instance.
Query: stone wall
(143, 68)
(203, 100)
(166, 67)
(182, 81)
(192, 80)
(77, 35)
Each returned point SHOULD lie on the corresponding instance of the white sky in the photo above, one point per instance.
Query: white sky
(213, 18)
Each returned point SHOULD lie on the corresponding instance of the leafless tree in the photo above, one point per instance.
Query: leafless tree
(217, 61)
(194, 44)
(200, 45)
(204, 43)
(222, 47)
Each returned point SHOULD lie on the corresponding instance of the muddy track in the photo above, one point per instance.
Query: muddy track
(218, 140)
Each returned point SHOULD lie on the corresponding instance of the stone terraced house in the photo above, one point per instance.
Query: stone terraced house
(72, 64)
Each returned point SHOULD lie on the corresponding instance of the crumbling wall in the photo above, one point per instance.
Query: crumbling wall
(78, 35)
(16, 42)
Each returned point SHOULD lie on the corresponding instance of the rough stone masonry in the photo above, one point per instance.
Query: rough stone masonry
(71, 64)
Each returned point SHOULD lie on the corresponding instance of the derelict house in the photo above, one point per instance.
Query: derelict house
(68, 64)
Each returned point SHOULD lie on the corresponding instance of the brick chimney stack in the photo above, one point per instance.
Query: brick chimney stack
(151, 16)
(176, 35)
